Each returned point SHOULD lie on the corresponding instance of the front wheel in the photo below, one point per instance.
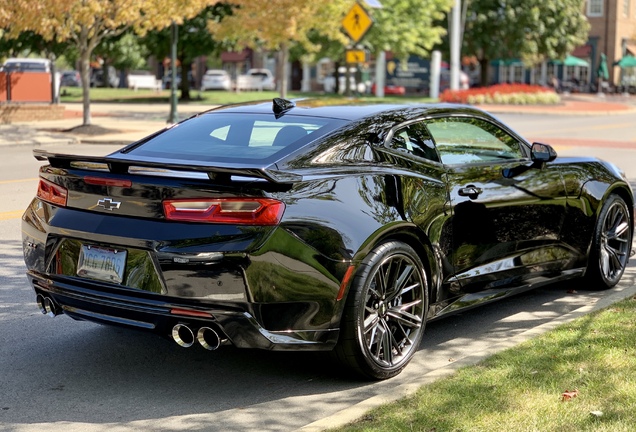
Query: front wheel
(611, 244)
(385, 312)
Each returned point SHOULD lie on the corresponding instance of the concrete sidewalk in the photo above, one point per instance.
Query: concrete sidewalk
(122, 124)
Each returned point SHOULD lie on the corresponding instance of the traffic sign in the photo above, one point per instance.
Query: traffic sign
(356, 22)
(356, 56)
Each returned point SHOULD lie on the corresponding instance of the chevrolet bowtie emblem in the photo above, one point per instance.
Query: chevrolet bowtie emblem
(108, 204)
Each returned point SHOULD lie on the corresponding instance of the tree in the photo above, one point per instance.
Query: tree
(194, 41)
(86, 23)
(407, 27)
(531, 30)
(123, 53)
(277, 25)
(404, 27)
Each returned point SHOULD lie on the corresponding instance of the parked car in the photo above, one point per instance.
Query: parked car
(444, 80)
(256, 79)
(391, 89)
(167, 80)
(16, 64)
(97, 77)
(300, 226)
(216, 79)
(70, 79)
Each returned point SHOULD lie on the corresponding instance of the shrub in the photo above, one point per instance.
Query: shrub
(509, 94)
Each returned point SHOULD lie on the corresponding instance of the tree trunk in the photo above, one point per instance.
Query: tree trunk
(483, 72)
(185, 82)
(86, 86)
(281, 76)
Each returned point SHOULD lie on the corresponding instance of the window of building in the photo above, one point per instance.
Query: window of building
(626, 8)
(595, 8)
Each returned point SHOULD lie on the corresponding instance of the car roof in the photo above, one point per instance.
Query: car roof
(344, 110)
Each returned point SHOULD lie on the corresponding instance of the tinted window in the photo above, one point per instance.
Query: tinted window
(414, 139)
(470, 140)
(236, 137)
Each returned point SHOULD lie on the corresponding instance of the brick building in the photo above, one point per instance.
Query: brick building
(613, 32)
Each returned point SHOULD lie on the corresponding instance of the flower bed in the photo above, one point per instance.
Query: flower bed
(505, 94)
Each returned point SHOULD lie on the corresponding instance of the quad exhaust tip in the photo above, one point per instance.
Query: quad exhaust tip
(183, 335)
(47, 306)
(207, 337)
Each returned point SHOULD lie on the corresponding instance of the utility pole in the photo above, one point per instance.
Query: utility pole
(174, 35)
(455, 48)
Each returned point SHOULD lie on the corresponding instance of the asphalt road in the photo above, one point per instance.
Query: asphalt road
(62, 375)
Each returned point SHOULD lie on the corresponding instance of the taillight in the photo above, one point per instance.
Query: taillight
(239, 211)
(102, 181)
(52, 193)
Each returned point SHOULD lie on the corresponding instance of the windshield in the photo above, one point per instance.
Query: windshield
(236, 137)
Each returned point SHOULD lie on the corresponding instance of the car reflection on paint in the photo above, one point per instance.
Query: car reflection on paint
(308, 226)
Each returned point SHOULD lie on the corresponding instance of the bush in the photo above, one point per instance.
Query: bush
(508, 94)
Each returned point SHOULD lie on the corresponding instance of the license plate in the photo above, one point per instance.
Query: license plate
(102, 263)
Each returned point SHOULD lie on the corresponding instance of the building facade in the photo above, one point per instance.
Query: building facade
(613, 33)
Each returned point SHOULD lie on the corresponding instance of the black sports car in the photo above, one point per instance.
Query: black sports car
(295, 226)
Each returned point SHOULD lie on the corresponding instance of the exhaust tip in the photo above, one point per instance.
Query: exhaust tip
(183, 335)
(39, 299)
(208, 338)
(47, 306)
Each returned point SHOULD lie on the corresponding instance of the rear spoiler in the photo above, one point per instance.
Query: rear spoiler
(121, 166)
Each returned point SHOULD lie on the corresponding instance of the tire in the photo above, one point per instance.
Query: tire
(385, 312)
(611, 244)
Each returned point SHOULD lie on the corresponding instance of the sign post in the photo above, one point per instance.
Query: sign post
(356, 23)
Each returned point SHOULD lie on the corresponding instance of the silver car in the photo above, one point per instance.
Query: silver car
(216, 79)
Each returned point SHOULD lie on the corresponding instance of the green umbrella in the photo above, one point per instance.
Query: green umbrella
(627, 61)
(603, 72)
(572, 61)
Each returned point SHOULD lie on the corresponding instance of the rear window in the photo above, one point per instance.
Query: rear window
(236, 137)
(25, 66)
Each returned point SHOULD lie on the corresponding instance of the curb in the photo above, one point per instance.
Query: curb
(357, 411)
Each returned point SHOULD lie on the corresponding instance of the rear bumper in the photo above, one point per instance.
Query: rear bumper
(93, 301)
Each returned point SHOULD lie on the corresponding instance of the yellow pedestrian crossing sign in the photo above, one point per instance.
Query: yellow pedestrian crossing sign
(357, 22)
(356, 56)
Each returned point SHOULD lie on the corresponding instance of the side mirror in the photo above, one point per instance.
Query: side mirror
(542, 152)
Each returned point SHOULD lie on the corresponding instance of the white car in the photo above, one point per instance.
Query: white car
(216, 79)
(256, 79)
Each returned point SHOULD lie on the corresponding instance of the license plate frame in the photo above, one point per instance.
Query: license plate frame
(101, 263)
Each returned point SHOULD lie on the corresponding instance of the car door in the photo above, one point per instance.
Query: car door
(507, 212)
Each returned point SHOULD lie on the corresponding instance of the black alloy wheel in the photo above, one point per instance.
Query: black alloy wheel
(385, 313)
(611, 244)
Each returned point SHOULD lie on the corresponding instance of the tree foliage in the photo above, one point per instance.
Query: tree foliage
(530, 30)
(87, 23)
(278, 25)
(407, 27)
(194, 40)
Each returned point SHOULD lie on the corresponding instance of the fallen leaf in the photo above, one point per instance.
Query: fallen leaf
(569, 394)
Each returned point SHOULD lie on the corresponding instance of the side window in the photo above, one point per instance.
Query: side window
(414, 139)
(469, 140)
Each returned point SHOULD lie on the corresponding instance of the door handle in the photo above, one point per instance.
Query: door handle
(470, 191)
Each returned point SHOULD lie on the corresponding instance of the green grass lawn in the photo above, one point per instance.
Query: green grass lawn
(74, 94)
(526, 388)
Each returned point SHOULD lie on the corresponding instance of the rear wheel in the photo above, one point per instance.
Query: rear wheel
(611, 244)
(385, 313)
